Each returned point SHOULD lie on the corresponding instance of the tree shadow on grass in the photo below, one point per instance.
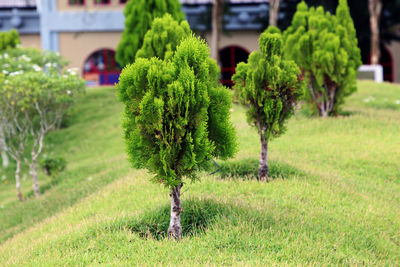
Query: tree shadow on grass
(197, 216)
(247, 169)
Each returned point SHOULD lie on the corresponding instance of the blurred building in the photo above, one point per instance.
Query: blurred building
(87, 32)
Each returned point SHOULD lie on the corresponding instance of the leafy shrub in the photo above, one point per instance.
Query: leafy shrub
(35, 93)
(53, 166)
(9, 39)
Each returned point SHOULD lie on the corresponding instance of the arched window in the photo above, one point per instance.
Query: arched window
(100, 68)
(229, 57)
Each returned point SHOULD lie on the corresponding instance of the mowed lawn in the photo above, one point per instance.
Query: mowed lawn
(334, 200)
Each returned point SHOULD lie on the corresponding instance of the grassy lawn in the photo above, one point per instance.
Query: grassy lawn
(335, 199)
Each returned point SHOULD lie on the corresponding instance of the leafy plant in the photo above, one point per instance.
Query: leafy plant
(35, 93)
(53, 165)
(9, 39)
(268, 86)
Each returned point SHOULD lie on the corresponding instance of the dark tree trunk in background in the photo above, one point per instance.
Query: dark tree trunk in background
(375, 8)
(273, 12)
(175, 227)
(216, 23)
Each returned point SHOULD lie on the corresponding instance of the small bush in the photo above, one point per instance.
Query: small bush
(53, 166)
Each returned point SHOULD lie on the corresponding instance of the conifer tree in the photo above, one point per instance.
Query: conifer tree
(139, 15)
(268, 86)
(176, 117)
(326, 49)
(163, 37)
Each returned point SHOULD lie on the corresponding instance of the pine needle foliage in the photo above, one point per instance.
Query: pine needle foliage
(176, 114)
(269, 86)
(139, 15)
(325, 47)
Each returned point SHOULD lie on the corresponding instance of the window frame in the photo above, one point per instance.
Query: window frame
(102, 4)
(76, 4)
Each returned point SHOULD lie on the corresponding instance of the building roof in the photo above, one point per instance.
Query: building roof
(17, 3)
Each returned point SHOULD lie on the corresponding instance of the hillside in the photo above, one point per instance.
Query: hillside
(335, 198)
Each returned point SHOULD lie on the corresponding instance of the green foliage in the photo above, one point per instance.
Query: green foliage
(269, 86)
(163, 37)
(138, 20)
(22, 93)
(35, 93)
(9, 39)
(20, 60)
(53, 165)
(172, 124)
(326, 49)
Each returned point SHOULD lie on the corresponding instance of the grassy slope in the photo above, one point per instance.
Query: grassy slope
(337, 201)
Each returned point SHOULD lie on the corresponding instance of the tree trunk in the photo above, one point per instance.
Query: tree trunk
(216, 24)
(3, 148)
(375, 8)
(175, 227)
(4, 158)
(263, 163)
(34, 174)
(18, 180)
(273, 12)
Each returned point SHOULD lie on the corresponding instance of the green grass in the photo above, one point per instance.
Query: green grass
(334, 200)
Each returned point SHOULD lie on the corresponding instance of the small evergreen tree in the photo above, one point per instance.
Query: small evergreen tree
(268, 86)
(161, 41)
(139, 15)
(172, 125)
(326, 49)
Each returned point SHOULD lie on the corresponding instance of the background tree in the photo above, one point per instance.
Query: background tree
(138, 18)
(325, 48)
(163, 37)
(375, 8)
(7, 40)
(34, 95)
(274, 12)
(216, 26)
(268, 86)
(167, 118)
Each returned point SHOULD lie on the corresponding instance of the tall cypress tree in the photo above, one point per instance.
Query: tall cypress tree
(176, 113)
(139, 15)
